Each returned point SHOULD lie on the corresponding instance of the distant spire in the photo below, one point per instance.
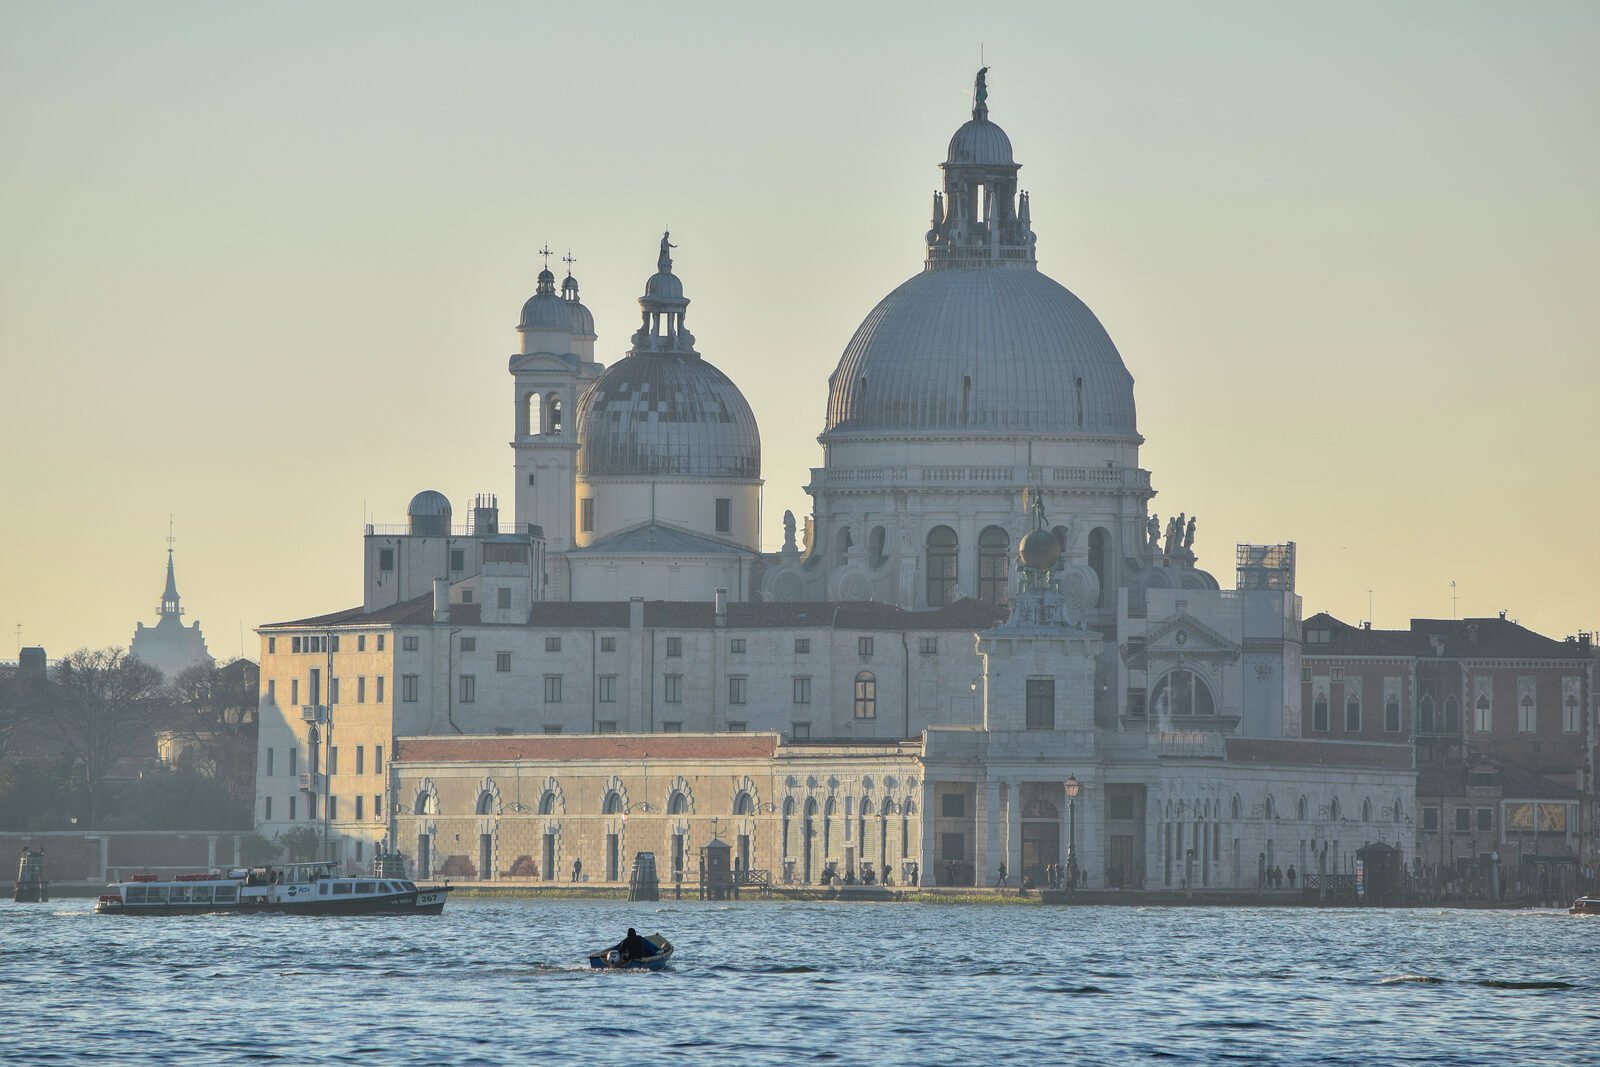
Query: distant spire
(169, 596)
(980, 96)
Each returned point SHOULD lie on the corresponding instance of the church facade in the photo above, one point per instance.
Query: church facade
(986, 649)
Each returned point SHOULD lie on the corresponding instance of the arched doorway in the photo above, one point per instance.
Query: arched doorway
(1041, 832)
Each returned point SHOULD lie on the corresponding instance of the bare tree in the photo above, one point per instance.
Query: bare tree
(104, 705)
(215, 722)
(18, 707)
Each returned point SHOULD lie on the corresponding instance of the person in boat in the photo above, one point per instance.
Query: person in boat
(634, 947)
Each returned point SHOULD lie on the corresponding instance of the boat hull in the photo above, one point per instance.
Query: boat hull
(422, 902)
(597, 960)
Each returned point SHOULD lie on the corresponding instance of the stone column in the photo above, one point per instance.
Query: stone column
(105, 855)
(986, 856)
(211, 851)
(1014, 833)
(927, 852)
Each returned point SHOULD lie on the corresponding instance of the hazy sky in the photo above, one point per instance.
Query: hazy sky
(261, 265)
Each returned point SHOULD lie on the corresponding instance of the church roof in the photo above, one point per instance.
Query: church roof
(654, 538)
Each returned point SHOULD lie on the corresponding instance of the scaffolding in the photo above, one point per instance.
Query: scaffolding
(1267, 567)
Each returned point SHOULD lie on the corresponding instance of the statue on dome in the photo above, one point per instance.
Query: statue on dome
(664, 261)
(1152, 530)
(1188, 534)
(981, 91)
(788, 532)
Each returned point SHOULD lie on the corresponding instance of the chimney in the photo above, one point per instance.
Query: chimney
(1438, 643)
(32, 661)
(1367, 625)
(722, 607)
(441, 600)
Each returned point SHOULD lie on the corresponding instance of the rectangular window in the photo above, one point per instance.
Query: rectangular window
(333, 643)
(928, 646)
(469, 688)
(608, 644)
(386, 559)
(802, 646)
(272, 691)
(502, 662)
(1041, 704)
(360, 804)
(1305, 674)
(674, 647)
(1571, 718)
(408, 644)
(361, 760)
(1485, 818)
(672, 727)
(333, 759)
(380, 689)
(1485, 716)
(333, 809)
(552, 689)
(737, 727)
(1338, 673)
(269, 763)
(1136, 705)
(382, 640)
(361, 689)
(294, 692)
(272, 645)
(800, 731)
(502, 598)
(1527, 718)
(953, 847)
(466, 596)
(266, 814)
(294, 644)
(377, 759)
(333, 690)
(458, 560)
(802, 690)
(552, 644)
(552, 729)
(736, 689)
(1430, 819)
(1352, 715)
(866, 696)
(1463, 820)
(952, 806)
(469, 644)
(291, 808)
(361, 642)
(672, 689)
(294, 762)
(408, 688)
(377, 806)
(605, 689)
(736, 646)
(606, 726)
(863, 646)
(586, 509)
(724, 514)
(1391, 715)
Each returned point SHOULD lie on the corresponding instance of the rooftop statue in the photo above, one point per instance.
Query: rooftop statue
(980, 92)
(664, 261)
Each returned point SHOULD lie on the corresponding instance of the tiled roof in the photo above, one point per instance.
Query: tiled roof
(599, 747)
(1463, 639)
(1347, 640)
(408, 612)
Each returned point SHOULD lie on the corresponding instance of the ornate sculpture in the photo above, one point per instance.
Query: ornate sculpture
(1152, 529)
(788, 532)
(1188, 534)
(980, 100)
(664, 261)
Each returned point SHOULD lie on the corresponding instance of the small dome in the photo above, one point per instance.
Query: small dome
(582, 320)
(667, 413)
(429, 512)
(980, 141)
(664, 285)
(546, 311)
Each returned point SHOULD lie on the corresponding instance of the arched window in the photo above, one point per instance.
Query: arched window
(866, 696)
(1527, 720)
(1425, 723)
(677, 804)
(942, 546)
(552, 408)
(1182, 693)
(743, 805)
(1099, 542)
(1391, 715)
(486, 803)
(1484, 722)
(613, 804)
(532, 413)
(427, 803)
(1366, 809)
(547, 802)
(1237, 805)
(1319, 713)
(828, 811)
(1333, 809)
(844, 541)
(1300, 809)
(875, 547)
(1269, 807)
(1352, 714)
(994, 551)
(1452, 717)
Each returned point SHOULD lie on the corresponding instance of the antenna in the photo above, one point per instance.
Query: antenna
(1369, 607)
(1452, 600)
(170, 538)
(19, 640)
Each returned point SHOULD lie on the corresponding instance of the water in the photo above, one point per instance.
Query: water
(506, 982)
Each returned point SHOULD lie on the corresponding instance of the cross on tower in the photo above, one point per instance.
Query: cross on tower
(170, 538)
(545, 252)
(569, 259)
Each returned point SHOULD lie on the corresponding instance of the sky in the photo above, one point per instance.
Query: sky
(261, 266)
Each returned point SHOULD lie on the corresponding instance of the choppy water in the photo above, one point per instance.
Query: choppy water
(504, 982)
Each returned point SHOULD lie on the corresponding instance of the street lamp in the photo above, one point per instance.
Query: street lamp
(1074, 790)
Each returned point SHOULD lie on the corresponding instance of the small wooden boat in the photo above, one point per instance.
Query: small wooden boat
(1585, 906)
(609, 959)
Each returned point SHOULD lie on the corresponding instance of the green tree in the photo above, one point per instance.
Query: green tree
(302, 843)
(255, 850)
(104, 706)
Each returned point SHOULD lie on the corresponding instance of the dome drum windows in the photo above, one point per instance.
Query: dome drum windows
(1182, 693)
(994, 557)
(942, 568)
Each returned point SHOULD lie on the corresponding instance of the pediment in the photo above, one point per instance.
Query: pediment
(1185, 635)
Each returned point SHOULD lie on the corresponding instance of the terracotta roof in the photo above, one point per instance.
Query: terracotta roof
(1347, 640)
(599, 747)
(1463, 639)
(1318, 753)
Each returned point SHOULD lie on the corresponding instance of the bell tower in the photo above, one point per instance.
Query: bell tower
(554, 366)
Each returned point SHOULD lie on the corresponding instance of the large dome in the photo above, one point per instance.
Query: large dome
(999, 349)
(667, 413)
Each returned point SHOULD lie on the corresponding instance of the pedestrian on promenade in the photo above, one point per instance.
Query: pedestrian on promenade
(1000, 881)
(577, 869)
(1291, 876)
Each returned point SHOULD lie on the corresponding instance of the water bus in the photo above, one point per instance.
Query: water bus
(287, 889)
